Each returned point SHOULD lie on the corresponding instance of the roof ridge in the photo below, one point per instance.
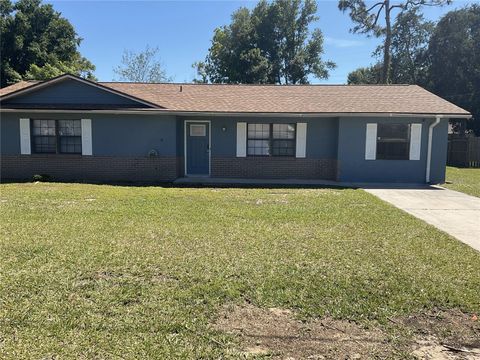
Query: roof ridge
(255, 85)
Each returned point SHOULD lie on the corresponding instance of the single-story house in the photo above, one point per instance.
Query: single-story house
(74, 129)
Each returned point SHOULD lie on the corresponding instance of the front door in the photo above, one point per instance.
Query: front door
(198, 148)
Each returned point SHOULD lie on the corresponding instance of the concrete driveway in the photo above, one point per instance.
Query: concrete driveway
(453, 212)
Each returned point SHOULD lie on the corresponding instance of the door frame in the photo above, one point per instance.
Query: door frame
(185, 146)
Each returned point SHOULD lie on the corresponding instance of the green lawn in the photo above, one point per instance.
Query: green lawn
(89, 271)
(464, 180)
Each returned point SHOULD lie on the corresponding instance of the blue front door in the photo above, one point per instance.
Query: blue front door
(198, 148)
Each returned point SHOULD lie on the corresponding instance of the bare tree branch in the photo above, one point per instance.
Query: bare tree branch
(374, 6)
(400, 6)
(378, 14)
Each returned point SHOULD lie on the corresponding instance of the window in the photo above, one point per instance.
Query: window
(44, 136)
(198, 130)
(271, 140)
(393, 141)
(283, 140)
(258, 143)
(57, 136)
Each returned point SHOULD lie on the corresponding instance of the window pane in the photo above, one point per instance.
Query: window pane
(393, 132)
(44, 127)
(69, 127)
(71, 144)
(392, 150)
(258, 147)
(258, 131)
(198, 130)
(283, 131)
(393, 141)
(44, 144)
(283, 148)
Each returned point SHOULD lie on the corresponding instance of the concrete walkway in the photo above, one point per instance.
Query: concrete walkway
(453, 212)
(208, 181)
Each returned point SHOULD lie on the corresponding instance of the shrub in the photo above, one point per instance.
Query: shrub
(41, 177)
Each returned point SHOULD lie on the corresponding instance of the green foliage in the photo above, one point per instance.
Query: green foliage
(409, 63)
(365, 75)
(270, 44)
(110, 272)
(410, 36)
(49, 71)
(454, 54)
(37, 41)
(444, 58)
(41, 177)
(201, 72)
(143, 66)
(368, 20)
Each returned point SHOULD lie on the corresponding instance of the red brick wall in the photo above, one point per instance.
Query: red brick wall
(89, 168)
(274, 168)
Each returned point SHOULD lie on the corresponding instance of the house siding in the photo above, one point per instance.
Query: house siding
(133, 135)
(120, 147)
(72, 92)
(335, 150)
(352, 166)
(439, 152)
(321, 151)
(9, 134)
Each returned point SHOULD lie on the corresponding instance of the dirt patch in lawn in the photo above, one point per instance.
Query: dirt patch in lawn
(277, 333)
(444, 335)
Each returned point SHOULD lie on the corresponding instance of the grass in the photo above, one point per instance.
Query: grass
(466, 180)
(89, 271)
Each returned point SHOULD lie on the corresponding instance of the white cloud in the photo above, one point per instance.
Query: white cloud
(342, 43)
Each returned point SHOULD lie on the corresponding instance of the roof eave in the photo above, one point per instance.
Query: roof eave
(239, 114)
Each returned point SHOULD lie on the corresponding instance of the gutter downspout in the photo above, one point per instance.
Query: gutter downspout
(429, 150)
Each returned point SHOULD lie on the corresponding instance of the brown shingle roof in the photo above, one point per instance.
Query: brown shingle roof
(291, 99)
(17, 86)
(389, 99)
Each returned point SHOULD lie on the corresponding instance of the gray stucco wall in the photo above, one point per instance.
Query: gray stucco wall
(352, 165)
(112, 135)
(322, 134)
(71, 92)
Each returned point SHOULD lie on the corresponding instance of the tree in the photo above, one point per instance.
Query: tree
(37, 40)
(142, 67)
(270, 44)
(410, 37)
(409, 49)
(365, 75)
(454, 54)
(201, 72)
(367, 20)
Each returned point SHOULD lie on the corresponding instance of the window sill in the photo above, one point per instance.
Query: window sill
(56, 155)
(270, 157)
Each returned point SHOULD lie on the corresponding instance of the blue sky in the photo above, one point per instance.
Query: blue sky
(183, 30)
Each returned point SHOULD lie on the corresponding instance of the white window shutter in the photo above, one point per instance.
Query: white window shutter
(25, 140)
(301, 147)
(86, 137)
(415, 141)
(241, 139)
(371, 142)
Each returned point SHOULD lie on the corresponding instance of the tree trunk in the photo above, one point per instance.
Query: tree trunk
(387, 59)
